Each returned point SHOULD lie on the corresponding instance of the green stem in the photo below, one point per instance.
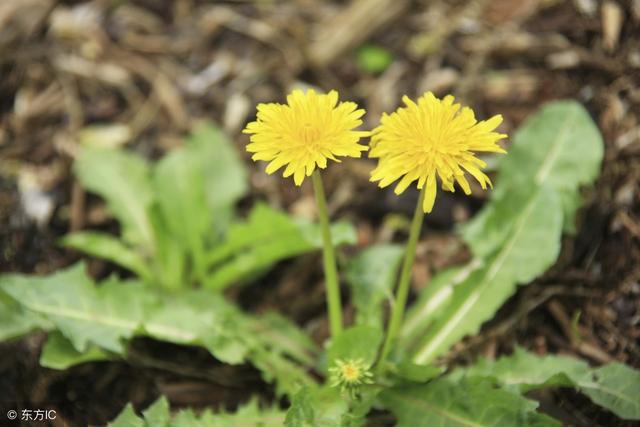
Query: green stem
(329, 259)
(397, 310)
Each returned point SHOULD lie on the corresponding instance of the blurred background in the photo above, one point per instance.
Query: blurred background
(142, 73)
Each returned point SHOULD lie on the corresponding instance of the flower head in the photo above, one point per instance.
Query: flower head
(349, 375)
(305, 132)
(433, 138)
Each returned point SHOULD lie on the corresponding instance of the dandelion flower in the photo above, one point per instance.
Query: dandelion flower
(432, 139)
(349, 375)
(305, 132)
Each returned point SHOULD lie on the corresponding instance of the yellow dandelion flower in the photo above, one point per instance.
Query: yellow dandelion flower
(305, 132)
(432, 139)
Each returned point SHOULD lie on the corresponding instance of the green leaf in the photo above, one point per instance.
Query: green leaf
(170, 214)
(614, 386)
(59, 353)
(546, 149)
(83, 313)
(186, 418)
(204, 318)
(560, 148)
(357, 342)
(516, 237)
(197, 186)
(532, 246)
(123, 180)
(445, 403)
(225, 174)
(108, 247)
(127, 418)
(267, 237)
(158, 415)
(318, 407)
(434, 299)
(374, 59)
(170, 258)
(179, 185)
(249, 414)
(617, 388)
(288, 376)
(417, 373)
(301, 413)
(524, 371)
(15, 321)
(200, 318)
(372, 275)
(100, 320)
(261, 227)
(286, 336)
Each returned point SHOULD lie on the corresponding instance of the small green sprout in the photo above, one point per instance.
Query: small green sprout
(349, 375)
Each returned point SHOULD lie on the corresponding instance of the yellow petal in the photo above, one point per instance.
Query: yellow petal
(430, 194)
(432, 139)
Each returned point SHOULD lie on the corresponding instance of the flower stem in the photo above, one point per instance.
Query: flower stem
(397, 310)
(329, 259)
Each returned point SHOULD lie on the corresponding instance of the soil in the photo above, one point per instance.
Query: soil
(160, 66)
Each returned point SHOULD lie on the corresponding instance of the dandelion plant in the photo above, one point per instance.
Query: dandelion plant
(302, 135)
(429, 142)
(425, 141)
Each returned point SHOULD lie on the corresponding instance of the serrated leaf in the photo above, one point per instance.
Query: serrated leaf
(83, 313)
(158, 415)
(185, 418)
(266, 237)
(59, 353)
(301, 413)
(252, 415)
(204, 318)
(123, 180)
(372, 275)
(199, 318)
(127, 418)
(445, 403)
(318, 407)
(108, 247)
(614, 386)
(532, 246)
(104, 318)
